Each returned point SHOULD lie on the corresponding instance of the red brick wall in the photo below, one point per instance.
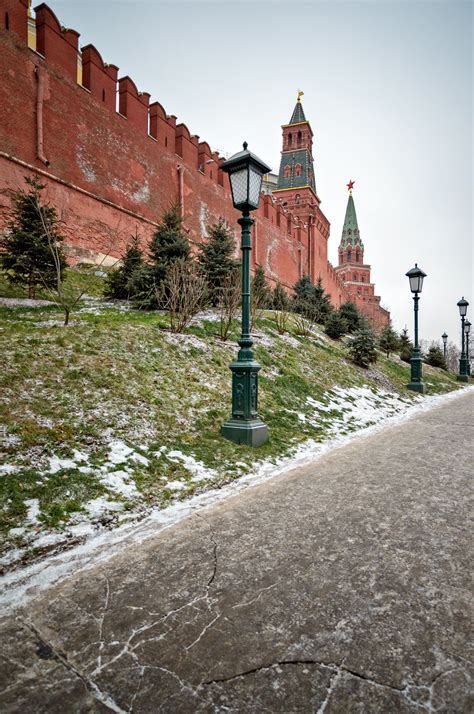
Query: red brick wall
(110, 173)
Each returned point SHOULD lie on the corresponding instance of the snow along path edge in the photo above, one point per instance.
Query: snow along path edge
(21, 585)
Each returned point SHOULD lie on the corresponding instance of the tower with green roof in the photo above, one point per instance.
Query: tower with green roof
(352, 269)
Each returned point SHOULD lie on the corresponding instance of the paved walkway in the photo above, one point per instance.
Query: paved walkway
(342, 587)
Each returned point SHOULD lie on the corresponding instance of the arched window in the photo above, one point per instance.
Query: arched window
(287, 171)
(298, 170)
(300, 136)
(290, 139)
(349, 255)
(362, 279)
(103, 95)
(297, 198)
(357, 257)
(7, 21)
(355, 277)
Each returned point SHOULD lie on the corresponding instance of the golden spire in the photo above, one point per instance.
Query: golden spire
(300, 94)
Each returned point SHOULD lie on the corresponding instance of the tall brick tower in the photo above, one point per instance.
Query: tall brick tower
(296, 190)
(352, 269)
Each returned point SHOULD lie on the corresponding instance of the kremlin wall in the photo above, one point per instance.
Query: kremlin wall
(113, 160)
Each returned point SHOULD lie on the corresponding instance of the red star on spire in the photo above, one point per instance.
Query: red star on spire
(350, 185)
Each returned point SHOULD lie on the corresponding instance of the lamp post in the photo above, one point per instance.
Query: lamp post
(467, 329)
(463, 374)
(415, 276)
(244, 427)
(444, 337)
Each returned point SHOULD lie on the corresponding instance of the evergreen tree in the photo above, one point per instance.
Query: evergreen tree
(362, 348)
(216, 258)
(280, 300)
(322, 300)
(388, 340)
(406, 346)
(261, 293)
(335, 325)
(120, 282)
(435, 357)
(31, 251)
(168, 245)
(351, 315)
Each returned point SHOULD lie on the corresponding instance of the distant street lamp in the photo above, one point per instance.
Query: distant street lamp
(444, 337)
(244, 427)
(416, 275)
(463, 373)
(467, 329)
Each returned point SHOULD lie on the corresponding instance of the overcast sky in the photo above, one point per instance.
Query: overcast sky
(387, 89)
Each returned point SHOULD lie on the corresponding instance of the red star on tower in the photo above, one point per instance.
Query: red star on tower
(350, 185)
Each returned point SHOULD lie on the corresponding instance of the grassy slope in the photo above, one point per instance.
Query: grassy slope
(118, 374)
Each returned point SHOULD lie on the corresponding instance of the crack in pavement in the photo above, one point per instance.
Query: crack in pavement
(103, 697)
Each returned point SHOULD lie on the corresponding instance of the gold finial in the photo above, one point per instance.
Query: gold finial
(300, 94)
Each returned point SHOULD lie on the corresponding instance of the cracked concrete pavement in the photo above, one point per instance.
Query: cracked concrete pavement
(338, 587)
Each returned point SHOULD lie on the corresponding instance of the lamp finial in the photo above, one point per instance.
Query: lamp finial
(245, 145)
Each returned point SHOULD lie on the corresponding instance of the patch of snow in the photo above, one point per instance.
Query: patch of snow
(97, 506)
(119, 452)
(120, 482)
(56, 464)
(33, 511)
(199, 471)
(8, 468)
(24, 302)
(59, 323)
(176, 485)
(186, 342)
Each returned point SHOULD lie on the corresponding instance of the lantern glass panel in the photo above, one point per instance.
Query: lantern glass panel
(255, 186)
(467, 327)
(416, 283)
(463, 305)
(239, 185)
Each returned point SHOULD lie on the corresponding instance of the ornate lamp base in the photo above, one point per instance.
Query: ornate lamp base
(462, 378)
(242, 431)
(417, 387)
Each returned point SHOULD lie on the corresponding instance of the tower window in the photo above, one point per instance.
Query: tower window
(7, 21)
(300, 136)
(298, 170)
(357, 257)
(362, 279)
(103, 95)
(290, 139)
(355, 277)
(287, 171)
(349, 255)
(297, 198)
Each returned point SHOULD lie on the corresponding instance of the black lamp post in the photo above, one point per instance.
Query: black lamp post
(444, 337)
(467, 329)
(463, 374)
(416, 275)
(244, 427)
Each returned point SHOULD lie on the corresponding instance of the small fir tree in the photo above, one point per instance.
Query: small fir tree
(335, 325)
(351, 315)
(435, 357)
(362, 349)
(31, 251)
(406, 346)
(280, 299)
(168, 245)
(389, 340)
(120, 283)
(260, 294)
(216, 258)
(322, 300)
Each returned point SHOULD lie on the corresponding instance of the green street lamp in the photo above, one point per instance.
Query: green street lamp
(415, 276)
(463, 373)
(467, 329)
(244, 427)
(444, 337)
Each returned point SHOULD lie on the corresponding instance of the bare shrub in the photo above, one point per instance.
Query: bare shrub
(281, 319)
(183, 293)
(229, 300)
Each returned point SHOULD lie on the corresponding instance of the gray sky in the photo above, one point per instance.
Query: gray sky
(388, 92)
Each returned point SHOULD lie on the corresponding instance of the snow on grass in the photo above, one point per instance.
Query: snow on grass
(8, 468)
(196, 468)
(24, 583)
(185, 341)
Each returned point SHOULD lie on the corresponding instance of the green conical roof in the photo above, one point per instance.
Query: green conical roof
(298, 113)
(350, 230)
